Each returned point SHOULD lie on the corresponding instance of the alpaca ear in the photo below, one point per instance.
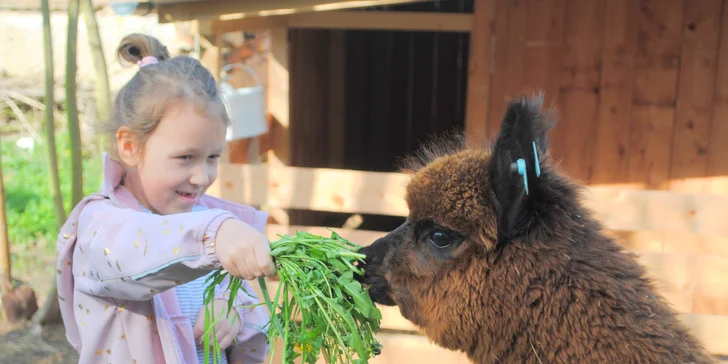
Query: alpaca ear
(517, 165)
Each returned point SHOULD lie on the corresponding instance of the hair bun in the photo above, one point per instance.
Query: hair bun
(134, 47)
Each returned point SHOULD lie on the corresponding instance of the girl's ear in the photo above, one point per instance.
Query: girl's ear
(517, 169)
(128, 146)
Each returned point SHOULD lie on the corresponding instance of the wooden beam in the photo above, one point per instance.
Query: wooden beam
(708, 328)
(253, 22)
(479, 64)
(358, 20)
(402, 347)
(635, 210)
(175, 11)
(278, 94)
(382, 193)
(313, 189)
(278, 100)
(718, 148)
(385, 20)
(219, 62)
(693, 283)
(359, 237)
(396, 348)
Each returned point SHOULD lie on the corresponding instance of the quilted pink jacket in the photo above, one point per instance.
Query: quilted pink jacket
(117, 271)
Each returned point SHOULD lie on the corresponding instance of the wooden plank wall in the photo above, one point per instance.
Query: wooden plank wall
(640, 88)
(636, 85)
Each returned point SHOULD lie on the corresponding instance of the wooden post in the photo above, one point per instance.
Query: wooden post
(278, 107)
(278, 95)
(219, 62)
(479, 64)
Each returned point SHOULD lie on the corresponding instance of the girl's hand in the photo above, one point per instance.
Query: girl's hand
(225, 331)
(243, 251)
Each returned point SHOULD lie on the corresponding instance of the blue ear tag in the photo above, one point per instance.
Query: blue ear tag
(521, 165)
(535, 157)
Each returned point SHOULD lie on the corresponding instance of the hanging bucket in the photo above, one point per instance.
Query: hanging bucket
(245, 105)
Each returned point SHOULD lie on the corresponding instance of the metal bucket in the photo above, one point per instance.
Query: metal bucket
(245, 105)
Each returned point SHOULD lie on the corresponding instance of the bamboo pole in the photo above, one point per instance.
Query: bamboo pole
(101, 86)
(5, 273)
(52, 157)
(71, 107)
(50, 312)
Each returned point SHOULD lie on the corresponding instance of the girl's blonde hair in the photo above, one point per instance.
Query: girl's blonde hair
(141, 103)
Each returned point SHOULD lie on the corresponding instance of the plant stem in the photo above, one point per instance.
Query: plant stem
(264, 290)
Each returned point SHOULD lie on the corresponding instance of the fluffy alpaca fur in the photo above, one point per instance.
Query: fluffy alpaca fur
(504, 276)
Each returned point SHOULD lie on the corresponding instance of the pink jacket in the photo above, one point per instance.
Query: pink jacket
(117, 271)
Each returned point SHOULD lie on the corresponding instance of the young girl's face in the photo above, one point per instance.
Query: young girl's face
(178, 161)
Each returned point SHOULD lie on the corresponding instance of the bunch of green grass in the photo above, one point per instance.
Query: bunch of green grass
(319, 308)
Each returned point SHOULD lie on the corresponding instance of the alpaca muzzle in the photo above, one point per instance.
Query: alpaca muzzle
(373, 278)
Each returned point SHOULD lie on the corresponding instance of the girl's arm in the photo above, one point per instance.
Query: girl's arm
(127, 254)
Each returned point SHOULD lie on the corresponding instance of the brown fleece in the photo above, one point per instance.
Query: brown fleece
(508, 277)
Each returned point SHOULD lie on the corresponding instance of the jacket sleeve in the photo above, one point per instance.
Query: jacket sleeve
(251, 343)
(127, 254)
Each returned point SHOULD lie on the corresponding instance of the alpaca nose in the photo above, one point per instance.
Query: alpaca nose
(368, 267)
(374, 253)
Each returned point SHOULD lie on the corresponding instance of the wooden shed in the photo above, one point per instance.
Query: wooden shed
(640, 87)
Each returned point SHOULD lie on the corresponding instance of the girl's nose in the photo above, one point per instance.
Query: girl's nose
(200, 178)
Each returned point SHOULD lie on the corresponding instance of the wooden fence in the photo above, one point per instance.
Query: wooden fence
(683, 278)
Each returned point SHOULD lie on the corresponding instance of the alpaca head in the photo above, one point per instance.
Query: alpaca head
(465, 204)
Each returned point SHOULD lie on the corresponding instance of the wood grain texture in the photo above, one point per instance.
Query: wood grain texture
(478, 94)
(718, 149)
(544, 41)
(694, 111)
(614, 121)
(650, 145)
(580, 77)
(499, 79)
(658, 51)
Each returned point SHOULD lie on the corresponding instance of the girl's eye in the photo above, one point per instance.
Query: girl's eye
(440, 239)
(186, 157)
(214, 156)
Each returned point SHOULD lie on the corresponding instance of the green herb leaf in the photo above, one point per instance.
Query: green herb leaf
(319, 308)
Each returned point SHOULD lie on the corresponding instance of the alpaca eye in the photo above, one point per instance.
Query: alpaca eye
(440, 239)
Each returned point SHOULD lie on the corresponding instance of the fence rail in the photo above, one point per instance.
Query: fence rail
(350, 191)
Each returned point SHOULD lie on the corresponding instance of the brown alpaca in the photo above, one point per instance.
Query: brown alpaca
(507, 276)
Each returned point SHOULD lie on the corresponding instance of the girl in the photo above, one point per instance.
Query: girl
(133, 258)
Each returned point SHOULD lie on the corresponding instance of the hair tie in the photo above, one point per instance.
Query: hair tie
(147, 61)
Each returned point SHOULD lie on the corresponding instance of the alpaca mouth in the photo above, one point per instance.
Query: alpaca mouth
(378, 289)
(381, 296)
(375, 284)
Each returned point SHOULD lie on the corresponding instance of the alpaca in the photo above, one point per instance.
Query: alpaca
(499, 259)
